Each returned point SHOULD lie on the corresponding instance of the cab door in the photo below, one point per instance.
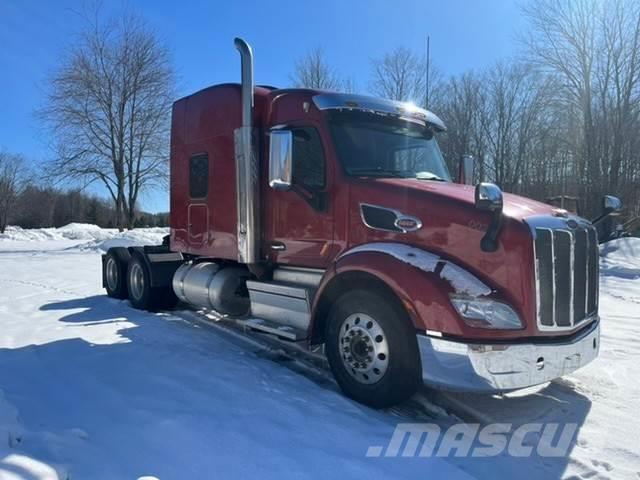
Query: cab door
(198, 210)
(300, 220)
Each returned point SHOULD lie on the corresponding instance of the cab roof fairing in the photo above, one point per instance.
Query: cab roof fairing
(404, 110)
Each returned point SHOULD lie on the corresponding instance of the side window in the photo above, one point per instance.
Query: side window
(308, 158)
(198, 175)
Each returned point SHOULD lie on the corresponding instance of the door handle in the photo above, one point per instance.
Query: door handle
(278, 246)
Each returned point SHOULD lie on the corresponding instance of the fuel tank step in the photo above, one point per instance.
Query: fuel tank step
(282, 303)
(283, 331)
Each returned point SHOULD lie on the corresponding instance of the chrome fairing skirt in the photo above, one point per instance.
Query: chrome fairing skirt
(566, 276)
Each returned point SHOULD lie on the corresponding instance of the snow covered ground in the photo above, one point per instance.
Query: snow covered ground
(92, 389)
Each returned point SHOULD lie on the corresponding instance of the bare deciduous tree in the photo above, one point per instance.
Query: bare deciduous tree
(460, 104)
(399, 75)
(592, 48)
(108, 108)
(313, 71)
(13, 174)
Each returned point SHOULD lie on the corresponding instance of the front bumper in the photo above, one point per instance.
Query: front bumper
(453, 365)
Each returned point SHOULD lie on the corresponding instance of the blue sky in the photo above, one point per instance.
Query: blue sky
(465, 34)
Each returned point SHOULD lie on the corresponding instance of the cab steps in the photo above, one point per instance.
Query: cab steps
(284, 332)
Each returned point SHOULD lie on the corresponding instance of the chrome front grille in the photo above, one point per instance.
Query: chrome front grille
(566, 276)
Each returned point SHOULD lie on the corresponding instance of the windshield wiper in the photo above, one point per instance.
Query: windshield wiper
(429, 176)
(376, 172)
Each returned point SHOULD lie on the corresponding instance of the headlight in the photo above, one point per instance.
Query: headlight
(486, 313)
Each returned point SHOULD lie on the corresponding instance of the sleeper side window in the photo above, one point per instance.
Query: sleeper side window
(308, 158)
(198, 175)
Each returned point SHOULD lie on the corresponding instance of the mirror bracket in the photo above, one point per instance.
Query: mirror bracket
(489, 242)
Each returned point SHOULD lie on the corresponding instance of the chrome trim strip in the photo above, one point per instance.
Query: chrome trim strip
(555, 223)
(536, 280)
(586, 275)
(553, 278)
(338, 101)
(572, 259)
(597, 287)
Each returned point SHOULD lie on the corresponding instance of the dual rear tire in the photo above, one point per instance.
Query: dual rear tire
(128, 276)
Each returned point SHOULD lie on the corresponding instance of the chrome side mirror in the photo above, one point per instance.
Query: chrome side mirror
(611, 205)
(465, 170)
(280, 159)
(488, 197)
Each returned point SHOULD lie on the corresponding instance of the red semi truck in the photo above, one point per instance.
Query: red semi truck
(331, 219)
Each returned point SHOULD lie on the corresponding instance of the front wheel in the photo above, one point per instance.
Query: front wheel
(372, 349)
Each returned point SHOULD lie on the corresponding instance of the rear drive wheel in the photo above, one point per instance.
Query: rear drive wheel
(139, 284)
(141, 295)
(372, 349)
(115, 272)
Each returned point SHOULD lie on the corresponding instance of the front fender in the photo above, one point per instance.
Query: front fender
(422, 281)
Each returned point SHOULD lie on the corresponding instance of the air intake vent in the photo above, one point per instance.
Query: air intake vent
(379, 218)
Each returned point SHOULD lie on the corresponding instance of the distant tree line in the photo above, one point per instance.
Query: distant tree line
(560, 119)
(25, 203)
(38, 207)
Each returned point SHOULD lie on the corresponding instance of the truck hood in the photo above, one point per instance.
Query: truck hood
(515, 206)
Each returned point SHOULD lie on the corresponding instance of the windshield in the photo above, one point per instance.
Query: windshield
(369, 144)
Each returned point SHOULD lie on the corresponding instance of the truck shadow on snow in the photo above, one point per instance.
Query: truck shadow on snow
(160, 380)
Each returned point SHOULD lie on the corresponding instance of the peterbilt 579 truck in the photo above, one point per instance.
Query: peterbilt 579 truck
(331, 219)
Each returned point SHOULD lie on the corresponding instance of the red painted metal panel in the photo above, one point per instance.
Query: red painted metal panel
(452, 227)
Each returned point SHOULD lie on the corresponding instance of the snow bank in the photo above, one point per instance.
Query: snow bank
(138, 236)
(621, 258)
(81, 236)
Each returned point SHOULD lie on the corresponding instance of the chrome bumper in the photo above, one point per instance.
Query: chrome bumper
(454, 365)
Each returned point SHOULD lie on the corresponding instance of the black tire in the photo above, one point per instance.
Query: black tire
(139, 284)
(402, 372)
(141, 295)
(115, 272)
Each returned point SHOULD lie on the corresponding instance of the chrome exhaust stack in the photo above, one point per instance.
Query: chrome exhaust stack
(246, 59)
(247, 173)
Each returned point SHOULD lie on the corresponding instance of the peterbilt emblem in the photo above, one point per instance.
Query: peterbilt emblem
(408, 224)
(572, 223)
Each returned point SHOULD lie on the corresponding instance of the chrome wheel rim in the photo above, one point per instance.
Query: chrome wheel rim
(112, 274)
(364, 349)
(136, 281)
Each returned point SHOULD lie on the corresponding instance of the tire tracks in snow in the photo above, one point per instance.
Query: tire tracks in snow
(43, 286)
